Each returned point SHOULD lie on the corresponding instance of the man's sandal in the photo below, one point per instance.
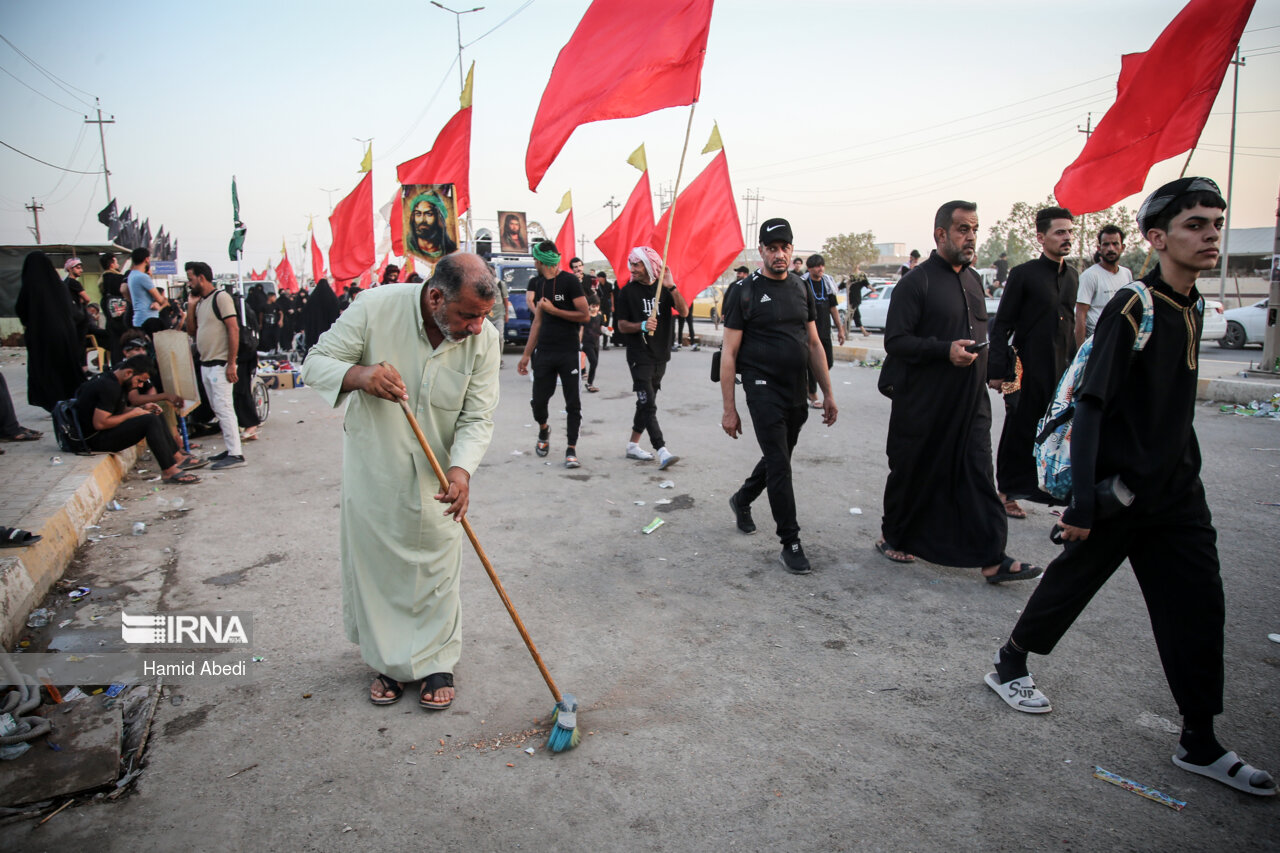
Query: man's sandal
(432, 683)
(1230, 770)
(182, 478)
(902, 556)
(23, 434)
(391, 689)
(1020, 694)
(16, 537)
(1006, 573)
(1012, 509)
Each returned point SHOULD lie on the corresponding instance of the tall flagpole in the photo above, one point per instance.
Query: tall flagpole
(462, 83)
(1231, 168)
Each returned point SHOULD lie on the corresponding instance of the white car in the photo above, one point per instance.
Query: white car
(1215, 321)
(1247, 325)
(875, 306)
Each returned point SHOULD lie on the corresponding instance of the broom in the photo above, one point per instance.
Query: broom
(564, 720)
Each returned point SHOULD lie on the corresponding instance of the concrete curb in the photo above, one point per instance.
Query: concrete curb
(26, 574)
(1239, 391)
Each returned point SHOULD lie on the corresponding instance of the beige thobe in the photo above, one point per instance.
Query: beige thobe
(400, 554)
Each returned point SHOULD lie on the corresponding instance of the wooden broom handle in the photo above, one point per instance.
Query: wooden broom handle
(484, 558)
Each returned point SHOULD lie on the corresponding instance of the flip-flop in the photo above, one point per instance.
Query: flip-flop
(1004, 574)
(430, 685)
(883, 547)
(388, 685)
(1012, 510)
(1231, 771)
(815, 404)
(191, 463)
(1020, 694)
(182, 478)
(23, 434)
(571, 461)
(16, 537)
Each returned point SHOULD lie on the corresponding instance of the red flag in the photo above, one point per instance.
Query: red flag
(317, 260)
(285, 279)
(366, 278)
(564, 241)
(382, 267)
(448, 162)
(407, 269)
(352, 225)
(650, 60)
(707, 235)
(632, 228)
(396, 221)
(1163, 98)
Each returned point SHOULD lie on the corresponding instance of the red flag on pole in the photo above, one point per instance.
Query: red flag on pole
(707, 235)
(366, 279)
(317, 260)
(650, 59)
(352, 225)
(1163, 98)
(448, 161)
(382, 267)
(396, 221)
(407, 269)
(632, 228)
(564, 241)
(285, 279)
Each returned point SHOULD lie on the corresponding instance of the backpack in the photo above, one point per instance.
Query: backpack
(248, 336)
(66, 428)
(1053, 434)
(745, 301)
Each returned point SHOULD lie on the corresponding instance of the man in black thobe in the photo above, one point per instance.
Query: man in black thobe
(940, 498)
(1038, 311)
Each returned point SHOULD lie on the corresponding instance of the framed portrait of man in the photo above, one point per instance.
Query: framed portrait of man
(430, 221)
(513, 231)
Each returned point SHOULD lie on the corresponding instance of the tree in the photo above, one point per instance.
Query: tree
(844, 252)
(1016, 235)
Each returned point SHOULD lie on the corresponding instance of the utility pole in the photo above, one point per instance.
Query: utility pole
(750, 218)
(457, 17)
(35, 207)
(1087, 130)
(611, 204)
(102, 138)
(1231, 168)
(330, 193)
(664, 190)
(582, 246)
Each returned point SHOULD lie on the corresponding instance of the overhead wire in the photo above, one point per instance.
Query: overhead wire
(41, 94)
(53, 78)
(431, 101)
(524, 6)
(46, 163)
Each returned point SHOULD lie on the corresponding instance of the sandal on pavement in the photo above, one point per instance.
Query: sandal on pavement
(1231, 771)
(430, 685)
(16, 537)
(391, 689)
(593, 389)
(544, 442)
(902, 556)
(1006, 573)
(183, 478)
(571, 461)
(1012, 509)
(192, 462)
(1020, 694)
(23, 434)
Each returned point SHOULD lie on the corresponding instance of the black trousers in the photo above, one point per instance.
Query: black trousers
(242, 393)
(591, 349)
(151, 427)
(1175, 559)
(777, 427)
(680, 324)
(826, 347)
(547, 366)
(646, 381)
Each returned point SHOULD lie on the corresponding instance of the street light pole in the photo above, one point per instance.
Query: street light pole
(457, 17)
(1231, 168)
(330, 193)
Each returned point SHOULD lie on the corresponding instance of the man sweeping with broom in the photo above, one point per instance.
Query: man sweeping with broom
(402, 550)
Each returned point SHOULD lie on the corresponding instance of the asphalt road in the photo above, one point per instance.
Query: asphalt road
(727, 704)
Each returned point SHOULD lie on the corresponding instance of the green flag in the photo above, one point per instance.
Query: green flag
(237, 236)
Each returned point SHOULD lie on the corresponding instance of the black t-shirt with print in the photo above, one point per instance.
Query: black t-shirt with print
(775, 333)
(101, 392)
(634, 304)
(556, 334)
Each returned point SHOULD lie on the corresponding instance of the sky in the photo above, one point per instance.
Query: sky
(844, 116)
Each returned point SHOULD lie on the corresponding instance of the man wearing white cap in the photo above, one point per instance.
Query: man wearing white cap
(648, 334)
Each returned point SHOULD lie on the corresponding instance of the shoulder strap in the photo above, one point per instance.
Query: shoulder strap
(1147, 320)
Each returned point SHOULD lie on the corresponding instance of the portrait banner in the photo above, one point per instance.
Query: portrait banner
(513, 232)
(430, 221)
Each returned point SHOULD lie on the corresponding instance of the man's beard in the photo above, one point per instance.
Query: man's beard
(441, 319)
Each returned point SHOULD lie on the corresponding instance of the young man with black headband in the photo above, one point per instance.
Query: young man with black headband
(559, 307)
(1135, 404)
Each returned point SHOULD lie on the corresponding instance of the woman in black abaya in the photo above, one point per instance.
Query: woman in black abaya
(321, 311)
(55, 352)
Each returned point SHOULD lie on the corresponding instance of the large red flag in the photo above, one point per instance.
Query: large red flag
(396, 221)
(620, 62)
(564, 241)
(1163, 98)
(366, 278)
(707, 235)
(448, 161)
(285, 279)
(317, 260)
(352, 249)
(632, 228)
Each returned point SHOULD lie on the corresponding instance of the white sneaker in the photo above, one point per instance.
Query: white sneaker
(635, 451)
(666, 458)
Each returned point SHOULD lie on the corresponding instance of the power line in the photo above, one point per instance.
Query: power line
(50, 165)
(38, 92)
(430, 101)
(54, 79)
(526, 5)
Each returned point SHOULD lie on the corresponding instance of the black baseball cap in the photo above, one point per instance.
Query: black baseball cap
(774, 230)
(741, 269)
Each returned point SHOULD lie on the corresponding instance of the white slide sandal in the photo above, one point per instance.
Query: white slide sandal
(1020, 694)
(1233, 772)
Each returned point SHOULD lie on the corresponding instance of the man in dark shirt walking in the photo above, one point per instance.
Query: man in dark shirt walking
(1037, 315)
(559, 309)
(1133, 420)
(827, 304)
(770, 337)
(647, 330)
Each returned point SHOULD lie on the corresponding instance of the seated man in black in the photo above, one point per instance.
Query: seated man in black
(109, 425)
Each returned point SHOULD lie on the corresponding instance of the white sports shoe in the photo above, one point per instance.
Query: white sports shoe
(635, 451)
(666, 458)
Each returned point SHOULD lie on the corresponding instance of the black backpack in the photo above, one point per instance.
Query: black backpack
(66, 428)
(744, 299)
(248, 334)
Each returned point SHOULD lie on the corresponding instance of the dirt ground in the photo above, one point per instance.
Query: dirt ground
(727, 704)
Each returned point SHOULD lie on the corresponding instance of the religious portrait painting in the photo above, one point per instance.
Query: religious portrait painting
(430, 221)
(513, 232)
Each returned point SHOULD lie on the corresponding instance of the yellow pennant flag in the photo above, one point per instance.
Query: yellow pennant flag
(638, 160)
(566, 202)
(714, 143)
(465, 100)
(284, 248)
(366, 165)
(311, 222)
